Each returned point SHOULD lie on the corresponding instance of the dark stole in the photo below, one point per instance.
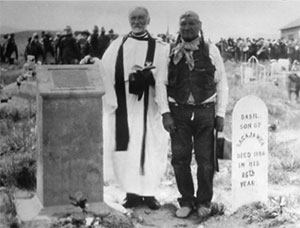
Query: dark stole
(122, 129)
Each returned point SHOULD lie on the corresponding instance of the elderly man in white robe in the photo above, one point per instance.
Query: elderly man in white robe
(134, 138)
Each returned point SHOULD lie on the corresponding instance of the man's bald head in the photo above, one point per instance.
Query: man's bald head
(190, 14)
(189, 25)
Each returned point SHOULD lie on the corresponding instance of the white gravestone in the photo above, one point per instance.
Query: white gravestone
(249, 151)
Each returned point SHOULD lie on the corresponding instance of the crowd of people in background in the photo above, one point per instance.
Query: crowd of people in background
(240, 49)
(70, 47)
(65, 47)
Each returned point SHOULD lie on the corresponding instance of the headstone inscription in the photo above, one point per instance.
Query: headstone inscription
(249, 151)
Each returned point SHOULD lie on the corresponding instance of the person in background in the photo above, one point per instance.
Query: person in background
(48, 49)
(3, 47)
(112, 35)
(35, 48)
(104, 42)
(83, 43)
(11, 50)
(94, 43)
(56, 43)
(27, 48)
(68, 48)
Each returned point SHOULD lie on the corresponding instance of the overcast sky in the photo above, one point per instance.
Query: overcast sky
(220, 18)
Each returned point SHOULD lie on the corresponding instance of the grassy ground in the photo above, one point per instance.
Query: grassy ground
(18, 149)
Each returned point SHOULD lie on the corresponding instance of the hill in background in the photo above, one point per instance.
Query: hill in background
(4, 29)
(22, 38)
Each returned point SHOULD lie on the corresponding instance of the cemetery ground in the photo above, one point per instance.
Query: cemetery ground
(18, 166)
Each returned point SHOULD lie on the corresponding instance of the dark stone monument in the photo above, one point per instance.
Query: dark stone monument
(70, 138)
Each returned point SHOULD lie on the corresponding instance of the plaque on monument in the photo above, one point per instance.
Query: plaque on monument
(249, 151)
(61, 78)
(65, 81)
(70, 140)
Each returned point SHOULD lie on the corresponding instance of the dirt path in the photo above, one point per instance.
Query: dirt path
(246, 217)
(165, 217)
(249, 216)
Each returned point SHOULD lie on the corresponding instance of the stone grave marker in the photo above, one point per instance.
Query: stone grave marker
(249, 151)
(70, 139)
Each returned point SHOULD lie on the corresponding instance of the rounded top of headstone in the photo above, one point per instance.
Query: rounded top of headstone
(251, 102)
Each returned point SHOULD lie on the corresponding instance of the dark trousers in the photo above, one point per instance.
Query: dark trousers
(195, 130)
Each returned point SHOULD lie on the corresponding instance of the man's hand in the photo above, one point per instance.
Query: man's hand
(168, 122)
(219, 123)
(87, 60)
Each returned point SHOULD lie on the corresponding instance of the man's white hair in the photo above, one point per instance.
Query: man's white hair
(139, 8)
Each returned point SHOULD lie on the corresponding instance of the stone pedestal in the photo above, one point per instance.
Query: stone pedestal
(70, 140)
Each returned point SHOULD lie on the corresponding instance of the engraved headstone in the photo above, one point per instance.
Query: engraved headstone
(249, 151)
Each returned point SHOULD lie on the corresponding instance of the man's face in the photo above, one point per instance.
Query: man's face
(189, 28)
(138, 21)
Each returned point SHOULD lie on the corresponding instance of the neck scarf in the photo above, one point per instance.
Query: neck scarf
(186, 49)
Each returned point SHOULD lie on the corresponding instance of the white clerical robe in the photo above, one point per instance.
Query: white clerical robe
(126, 164)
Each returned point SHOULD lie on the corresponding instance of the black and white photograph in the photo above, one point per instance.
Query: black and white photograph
(137, 114)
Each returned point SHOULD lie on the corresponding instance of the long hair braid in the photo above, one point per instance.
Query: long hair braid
(203, 46)
(174, 44)
(178, 40)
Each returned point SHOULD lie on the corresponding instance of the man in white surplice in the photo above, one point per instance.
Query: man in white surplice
(134, 136)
